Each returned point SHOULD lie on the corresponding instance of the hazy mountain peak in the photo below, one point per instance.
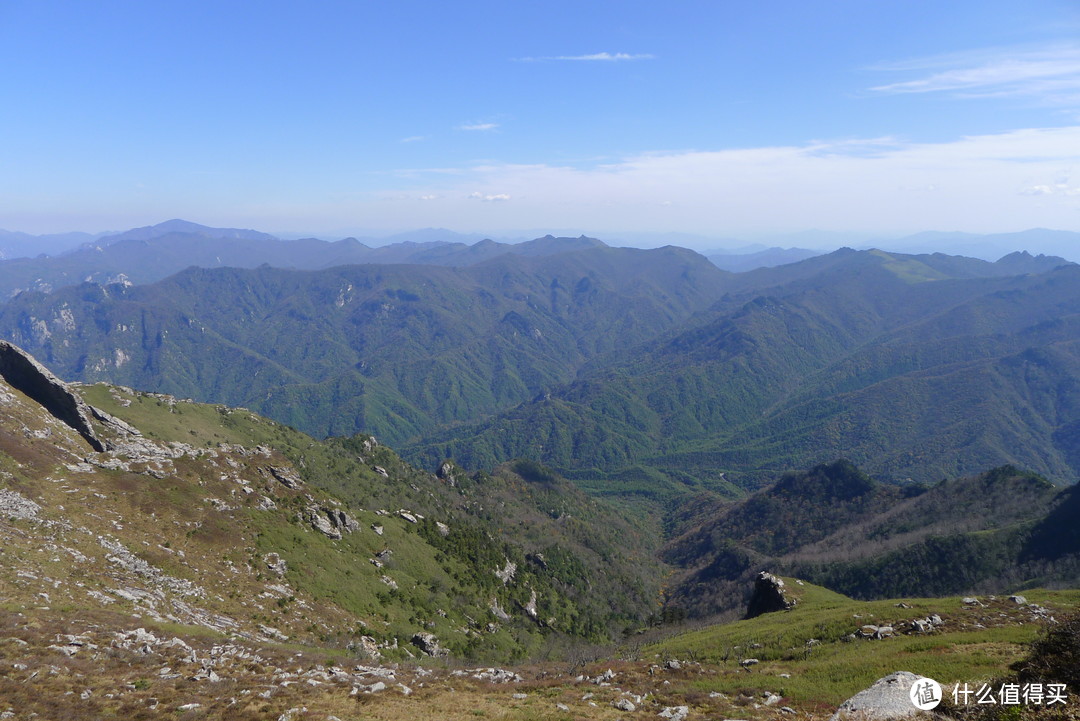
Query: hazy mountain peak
(177, 225)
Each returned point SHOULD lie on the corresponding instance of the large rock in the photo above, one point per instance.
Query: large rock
(25, 374)
(770, 594)
(885, 699)
(330, 521)
(428, 643)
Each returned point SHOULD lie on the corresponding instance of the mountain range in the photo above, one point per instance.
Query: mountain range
(627, 370)
(144, 255)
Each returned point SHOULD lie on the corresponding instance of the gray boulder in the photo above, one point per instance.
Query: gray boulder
(428, 643)
(330, 521)
(885, 699)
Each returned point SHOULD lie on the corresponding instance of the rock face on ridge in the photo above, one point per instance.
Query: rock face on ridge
(769, 595)
(24, 373)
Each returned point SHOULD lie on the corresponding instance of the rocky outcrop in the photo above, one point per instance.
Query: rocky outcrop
(428, 643)
(286, 476)
(770, 594)
(887, 698)
(445, 472)
(507, 572)
(12, 505)
(25, 374)
(330, 521)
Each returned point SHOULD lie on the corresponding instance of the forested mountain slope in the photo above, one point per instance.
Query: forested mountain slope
(867, 358)
(994, 532)
(396, 350)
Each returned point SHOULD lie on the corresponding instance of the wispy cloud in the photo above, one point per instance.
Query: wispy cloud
(595, 57)
(414, 139)
(1051, 74)
(478, 126)
(984, 183)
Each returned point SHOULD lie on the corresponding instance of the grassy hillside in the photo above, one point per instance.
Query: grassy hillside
(219, 518)
(814, 643)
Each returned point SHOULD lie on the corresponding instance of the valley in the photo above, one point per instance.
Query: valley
(474, 489)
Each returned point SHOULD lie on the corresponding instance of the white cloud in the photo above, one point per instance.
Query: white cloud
(596, 57)
(414, 139)
(478, 126)
(1050, 73)
(489, 198)
(1006, 181)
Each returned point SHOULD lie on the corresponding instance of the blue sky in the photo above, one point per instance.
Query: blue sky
(718, 118)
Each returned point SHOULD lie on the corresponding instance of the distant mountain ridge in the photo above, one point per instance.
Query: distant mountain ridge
(23, 245)
(396, 349)
(144, 255)
(768, 258)
(177, 226)
(876, 356)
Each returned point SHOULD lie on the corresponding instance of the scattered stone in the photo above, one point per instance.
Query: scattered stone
(675, 713)
(748, 662)
(275, 563)
(624, 704)
(13, 505)
(1018, 600)
(672, 664)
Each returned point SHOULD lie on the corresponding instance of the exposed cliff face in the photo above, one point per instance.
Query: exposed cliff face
(25, 374)
(770, 595)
